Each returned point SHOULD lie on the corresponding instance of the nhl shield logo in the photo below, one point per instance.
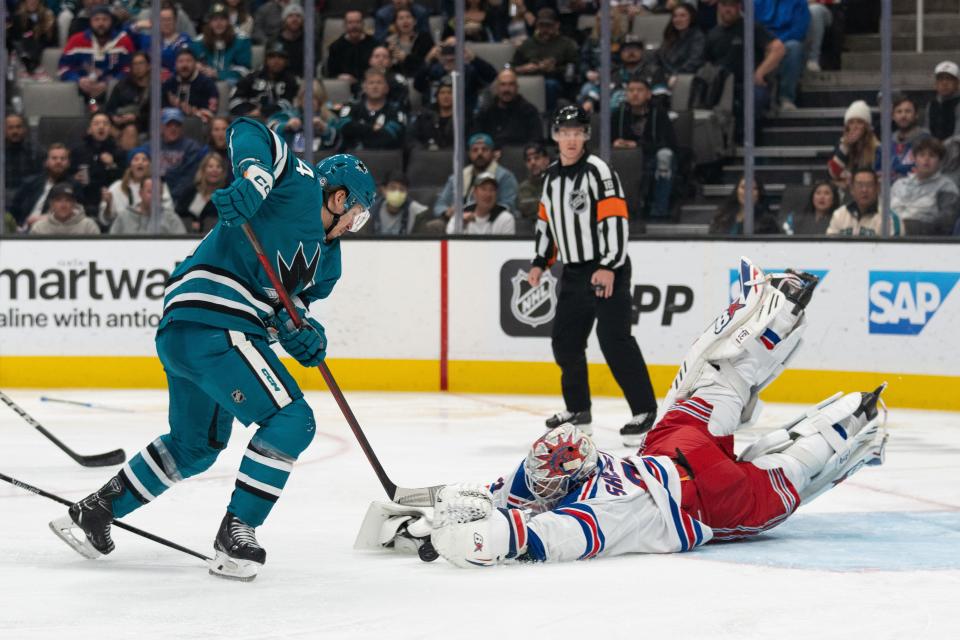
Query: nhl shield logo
(577, 200)
(533, 306)
(525, 311)
(238, 396)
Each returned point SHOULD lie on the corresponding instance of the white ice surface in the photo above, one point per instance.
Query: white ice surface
(878, 557)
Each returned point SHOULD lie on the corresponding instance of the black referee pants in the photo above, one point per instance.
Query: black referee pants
(577, 308)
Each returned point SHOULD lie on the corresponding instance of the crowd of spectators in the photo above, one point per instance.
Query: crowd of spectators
(397, 62)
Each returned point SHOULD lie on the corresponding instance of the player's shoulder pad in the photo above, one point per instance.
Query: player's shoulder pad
(245, 125)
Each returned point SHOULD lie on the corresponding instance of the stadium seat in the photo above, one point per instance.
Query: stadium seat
(511, 157)
(224, 88)
(50, 61)
(256, 56)
(650, 28)
(682, 92)
(794, 199)
(416, 98)
(428, 168)
(424, 195)
(338, 91)
(68, 130)
(339, 7)
(380, 161)
(194, 128)
(585, 22)
(683, 128)
(51, 99)
(532, 88)
(628, 164)
(332, 29)
(498, 54)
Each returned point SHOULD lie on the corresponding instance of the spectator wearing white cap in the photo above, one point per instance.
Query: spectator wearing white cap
(943, 112)
(858, 148)
(484, 217)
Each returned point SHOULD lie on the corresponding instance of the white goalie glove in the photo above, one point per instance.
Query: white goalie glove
(468, 532)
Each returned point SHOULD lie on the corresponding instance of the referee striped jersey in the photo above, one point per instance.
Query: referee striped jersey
(583, 215)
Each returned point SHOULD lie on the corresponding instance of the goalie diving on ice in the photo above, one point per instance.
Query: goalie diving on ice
(685, 486)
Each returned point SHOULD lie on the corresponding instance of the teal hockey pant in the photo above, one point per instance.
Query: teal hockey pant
(215, 375)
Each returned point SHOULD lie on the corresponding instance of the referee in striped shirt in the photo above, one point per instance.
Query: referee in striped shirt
(583, 221)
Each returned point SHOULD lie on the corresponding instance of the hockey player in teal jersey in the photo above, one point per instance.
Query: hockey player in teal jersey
(219, 314)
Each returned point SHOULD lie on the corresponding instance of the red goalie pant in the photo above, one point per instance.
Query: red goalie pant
(735, 499)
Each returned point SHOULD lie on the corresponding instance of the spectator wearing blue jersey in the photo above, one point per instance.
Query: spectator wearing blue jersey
(96, 55)
(373, 122)
(223, 53)
(788, 21)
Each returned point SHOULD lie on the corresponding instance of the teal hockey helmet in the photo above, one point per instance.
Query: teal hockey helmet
(349, 172)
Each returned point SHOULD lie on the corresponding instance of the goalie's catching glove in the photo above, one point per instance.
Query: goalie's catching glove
(240, 201)
(469, 532)
(308, 344)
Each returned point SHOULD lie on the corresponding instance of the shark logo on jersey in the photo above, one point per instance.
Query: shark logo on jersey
(533, 306)
(298, 274)
(904, 302)
(477, 542)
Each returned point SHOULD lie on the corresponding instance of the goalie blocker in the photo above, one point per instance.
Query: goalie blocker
(685, 487)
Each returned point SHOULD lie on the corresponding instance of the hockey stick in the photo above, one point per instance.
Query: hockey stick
(88, 405)
(418, 497)
(118, 523)
(107, 459)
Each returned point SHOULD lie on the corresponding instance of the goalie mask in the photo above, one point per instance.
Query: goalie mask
(559, 461)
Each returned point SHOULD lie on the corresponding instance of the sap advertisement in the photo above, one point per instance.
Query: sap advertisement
(879, 307)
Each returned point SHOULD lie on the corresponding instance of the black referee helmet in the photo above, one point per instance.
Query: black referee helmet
(571, 116)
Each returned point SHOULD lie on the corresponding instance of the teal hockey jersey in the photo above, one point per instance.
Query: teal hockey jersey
(222, 284)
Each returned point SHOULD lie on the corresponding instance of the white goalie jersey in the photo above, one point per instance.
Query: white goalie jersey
(631, 505)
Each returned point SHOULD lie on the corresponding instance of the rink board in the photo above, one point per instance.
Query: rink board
(82, 314)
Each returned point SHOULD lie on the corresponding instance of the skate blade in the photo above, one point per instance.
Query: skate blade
(65, 529)
(223, 566)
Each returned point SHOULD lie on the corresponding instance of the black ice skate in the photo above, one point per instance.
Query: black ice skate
(93, 516)
(632, 432)
(580, 418)
(239, 555)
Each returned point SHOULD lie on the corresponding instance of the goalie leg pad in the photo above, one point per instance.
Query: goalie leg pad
(746, 348)
(825, 448)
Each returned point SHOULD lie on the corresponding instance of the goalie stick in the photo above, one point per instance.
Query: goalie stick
(419, 497)
(118, 523)
(107, 459)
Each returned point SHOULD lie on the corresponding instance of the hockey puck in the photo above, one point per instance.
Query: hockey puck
(427, 553)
